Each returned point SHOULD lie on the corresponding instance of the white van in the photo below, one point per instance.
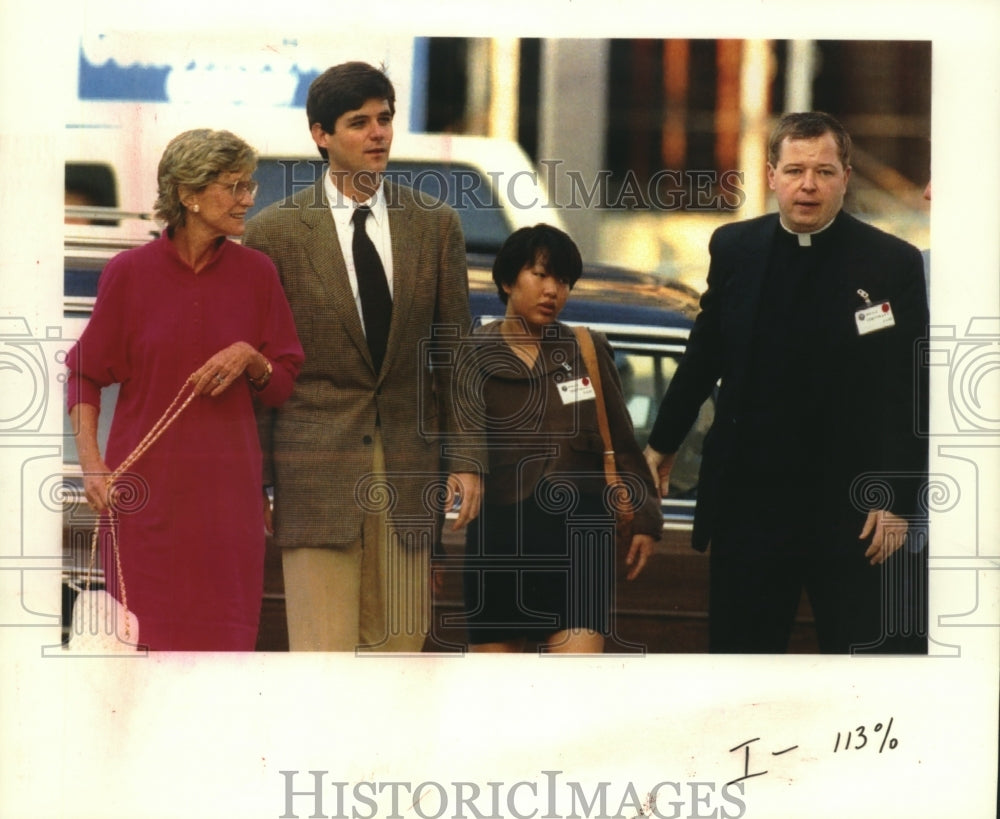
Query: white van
(112, 162)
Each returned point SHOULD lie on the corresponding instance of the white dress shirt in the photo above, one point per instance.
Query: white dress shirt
(342, 209)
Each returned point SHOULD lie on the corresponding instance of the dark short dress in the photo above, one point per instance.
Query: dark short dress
(540, 558)
(533, 569)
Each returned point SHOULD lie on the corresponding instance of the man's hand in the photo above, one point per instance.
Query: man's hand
(659, 467)
(466, 488)
(887, 532)
(268, 515)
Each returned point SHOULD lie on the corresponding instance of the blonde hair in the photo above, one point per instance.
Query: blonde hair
(193, 159)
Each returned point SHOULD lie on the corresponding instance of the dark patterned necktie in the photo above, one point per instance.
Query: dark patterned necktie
(376, 302)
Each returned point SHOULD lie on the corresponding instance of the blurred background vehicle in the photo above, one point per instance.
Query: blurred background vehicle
(641, 146)
(490, 182)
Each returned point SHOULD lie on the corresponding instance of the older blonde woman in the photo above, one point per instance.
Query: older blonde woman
(190, 307)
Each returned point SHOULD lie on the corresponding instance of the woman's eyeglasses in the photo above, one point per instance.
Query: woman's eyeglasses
(241, 188)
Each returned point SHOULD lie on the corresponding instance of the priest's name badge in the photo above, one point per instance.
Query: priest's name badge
(876, 317)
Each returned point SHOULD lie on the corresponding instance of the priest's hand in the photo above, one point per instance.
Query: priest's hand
(887, 532)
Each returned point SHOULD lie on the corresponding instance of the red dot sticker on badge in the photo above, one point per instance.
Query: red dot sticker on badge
(885, 307)
(585, 381)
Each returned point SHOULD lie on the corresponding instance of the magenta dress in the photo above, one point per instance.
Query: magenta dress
(191, 523)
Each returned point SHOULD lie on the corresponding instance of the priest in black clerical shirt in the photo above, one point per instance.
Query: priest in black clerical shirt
(813, 470)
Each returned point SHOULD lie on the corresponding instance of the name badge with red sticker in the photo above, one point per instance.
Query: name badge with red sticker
(579, 389)
(873, 317)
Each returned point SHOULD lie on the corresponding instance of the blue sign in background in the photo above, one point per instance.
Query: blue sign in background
(113, 82)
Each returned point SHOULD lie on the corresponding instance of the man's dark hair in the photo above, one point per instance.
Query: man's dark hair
(522, 247)
(808, 125)
(346, 87)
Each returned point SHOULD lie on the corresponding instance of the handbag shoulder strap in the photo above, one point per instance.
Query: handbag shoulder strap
(170, 414)
(621, 500)
(589, 353)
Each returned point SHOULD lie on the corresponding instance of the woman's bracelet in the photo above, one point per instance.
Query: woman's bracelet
(261, 381)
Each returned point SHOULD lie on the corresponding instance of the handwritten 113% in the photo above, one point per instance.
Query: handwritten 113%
(860, 738)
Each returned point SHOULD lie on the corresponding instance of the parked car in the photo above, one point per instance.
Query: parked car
(647, 321)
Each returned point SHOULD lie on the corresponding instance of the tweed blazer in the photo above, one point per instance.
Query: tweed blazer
(867, 426)
(318, 447)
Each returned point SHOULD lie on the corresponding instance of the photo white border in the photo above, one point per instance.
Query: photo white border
(207, 736)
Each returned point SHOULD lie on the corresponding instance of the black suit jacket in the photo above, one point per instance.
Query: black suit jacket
(865, 430)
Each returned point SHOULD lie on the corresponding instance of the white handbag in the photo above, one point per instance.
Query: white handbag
(101, 624)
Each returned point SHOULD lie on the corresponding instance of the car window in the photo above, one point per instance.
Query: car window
(80, 275)
(88, 185)
(280, 178)
(464, 188)
(460, 185)
(92, 183)
(80, 280)
(109, 396)
(645, 376)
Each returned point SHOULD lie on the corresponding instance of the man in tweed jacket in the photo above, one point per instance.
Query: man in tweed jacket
(358, 453)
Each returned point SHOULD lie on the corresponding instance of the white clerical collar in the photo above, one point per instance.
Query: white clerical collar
(805, 239)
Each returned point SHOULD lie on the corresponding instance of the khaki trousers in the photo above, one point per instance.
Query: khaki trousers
(371, 595)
